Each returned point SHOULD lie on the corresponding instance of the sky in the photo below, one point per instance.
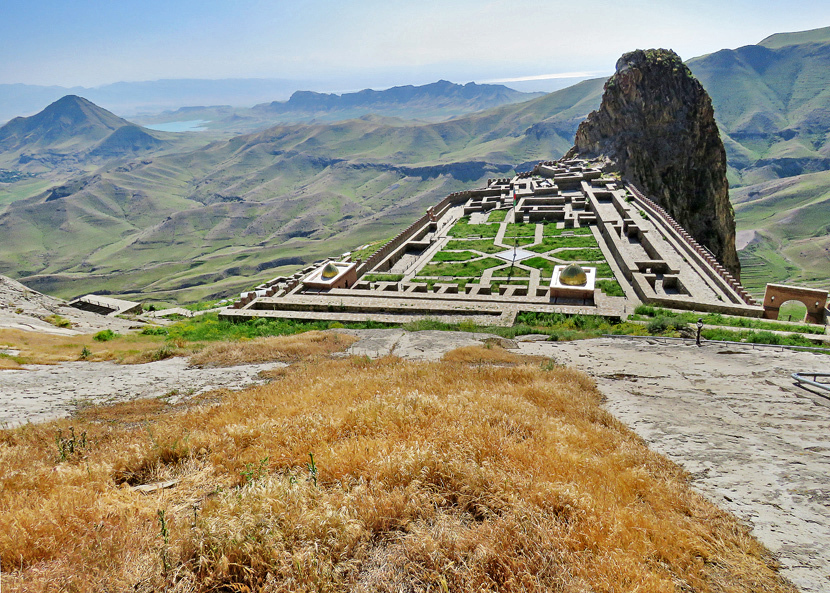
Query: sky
(370, 43)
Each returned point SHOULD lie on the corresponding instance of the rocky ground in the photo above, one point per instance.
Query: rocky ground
(27, 309)
(754, 442)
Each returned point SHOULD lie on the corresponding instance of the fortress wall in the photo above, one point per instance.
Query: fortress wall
(723, 279)
(439, 209)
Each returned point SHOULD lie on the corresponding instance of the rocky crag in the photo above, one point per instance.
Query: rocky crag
(657, 126)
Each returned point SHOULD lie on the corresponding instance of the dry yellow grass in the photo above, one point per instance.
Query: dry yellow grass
(487, 354)
(425, 477)
(279, 348)
(40, 348)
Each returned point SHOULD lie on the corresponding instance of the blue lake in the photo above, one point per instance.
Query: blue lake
(193, 125)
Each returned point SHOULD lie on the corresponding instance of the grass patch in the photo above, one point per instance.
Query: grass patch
(549, 230)
(511, 272)
(551, 243)
(463, 228)
(395, 475)
(58, 321)
(611, 288)
(520, 229)
(105, 335)
(646, 311)
(443, 256)
(540, 263)
(483, 245)
(497, 215)
(581, 255)
(382, 277)
(472, 269)
(209, 328)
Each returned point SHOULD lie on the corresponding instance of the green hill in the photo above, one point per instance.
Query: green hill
(772, 103)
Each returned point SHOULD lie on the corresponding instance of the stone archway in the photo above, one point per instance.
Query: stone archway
(814, 299)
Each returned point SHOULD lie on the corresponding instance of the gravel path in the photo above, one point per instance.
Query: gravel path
(46, 392)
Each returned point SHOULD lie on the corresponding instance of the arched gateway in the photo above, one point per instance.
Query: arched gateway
(814, 299)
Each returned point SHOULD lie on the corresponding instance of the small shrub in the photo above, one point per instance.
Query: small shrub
(85, 353)
(666, 324)
(105, 336)
(58, 321)
(154, 331)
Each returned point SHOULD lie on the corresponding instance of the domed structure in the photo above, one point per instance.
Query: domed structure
(573, 275)
(330, 271)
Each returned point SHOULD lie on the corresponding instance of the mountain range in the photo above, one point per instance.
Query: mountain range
(183, 222)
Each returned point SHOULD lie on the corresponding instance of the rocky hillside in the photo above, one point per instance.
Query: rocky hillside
(657, 125)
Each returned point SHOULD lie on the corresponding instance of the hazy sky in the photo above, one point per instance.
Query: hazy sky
(376, 42)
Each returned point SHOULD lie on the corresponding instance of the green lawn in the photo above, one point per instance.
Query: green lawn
(382, 277)
(516, 272)
(611, 288)
(497, 216)
(463, 228)
(443, 256)
(520, 229)
(551, 243)
(550, 230)
(482, 245)
(540, 263)
(586, 255)
(471, 269)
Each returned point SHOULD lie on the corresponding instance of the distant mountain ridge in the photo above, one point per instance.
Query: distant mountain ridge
(474, 97)
(437, 101)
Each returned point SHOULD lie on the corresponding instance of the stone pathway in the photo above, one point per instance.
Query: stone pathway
(45, 392)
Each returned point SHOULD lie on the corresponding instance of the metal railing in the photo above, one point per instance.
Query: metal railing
(800, 378)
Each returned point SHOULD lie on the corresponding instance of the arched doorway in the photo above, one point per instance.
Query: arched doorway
(814, 299)
(792, 311)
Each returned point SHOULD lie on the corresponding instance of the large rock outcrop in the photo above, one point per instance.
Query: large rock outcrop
(657, 127)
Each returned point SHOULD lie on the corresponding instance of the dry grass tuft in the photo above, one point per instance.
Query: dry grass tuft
(487, 354)
(424, 477)
(281, 348)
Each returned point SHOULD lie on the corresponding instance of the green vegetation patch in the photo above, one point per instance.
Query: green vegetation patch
(611, 288)
(540, 263)
(580, 255)
(497, 216)
(514, 272)
(644, 312)
(471, 269)
(551, 243)
(209, 328)
(431, 282)
(549, 230)
(443, 256)
(105, 336)
(382, 277)
(520, 229)
(482, 245)
(463, 228)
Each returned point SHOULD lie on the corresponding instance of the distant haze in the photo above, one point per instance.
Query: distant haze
(344, 46)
